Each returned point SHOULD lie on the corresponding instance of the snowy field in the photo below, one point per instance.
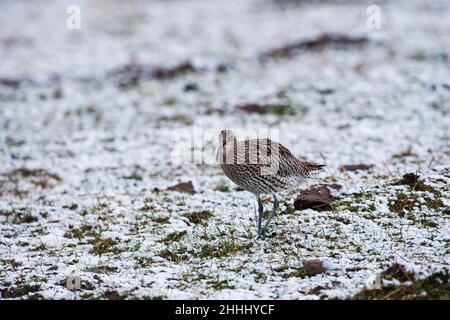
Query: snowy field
(87, 125)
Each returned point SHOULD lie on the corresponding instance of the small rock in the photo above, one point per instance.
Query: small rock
(224, 67)
(315, 197)
(186, 187)
(313, 267)
(191, 86)
(12, 83)
(356, 167)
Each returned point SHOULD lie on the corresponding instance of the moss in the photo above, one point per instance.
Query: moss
(112, 295)
(434, 204)
(199, 217)
(358, 202)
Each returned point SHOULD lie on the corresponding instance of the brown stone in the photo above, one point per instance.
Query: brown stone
(313, 267)
(186, 187)
(317, 196)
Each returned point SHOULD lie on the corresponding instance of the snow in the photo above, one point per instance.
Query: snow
(387, 100)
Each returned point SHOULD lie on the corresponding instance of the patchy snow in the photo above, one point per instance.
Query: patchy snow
(89, 198)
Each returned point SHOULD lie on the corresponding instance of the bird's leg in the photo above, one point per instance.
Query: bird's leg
(272, 214)
(260, 214)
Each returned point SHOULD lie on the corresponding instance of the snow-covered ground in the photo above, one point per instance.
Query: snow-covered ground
(85, 162)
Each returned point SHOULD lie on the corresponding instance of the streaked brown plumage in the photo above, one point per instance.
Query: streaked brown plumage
(262, 166)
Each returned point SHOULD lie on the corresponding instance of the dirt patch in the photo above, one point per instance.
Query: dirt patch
(434, 287)
(322, 42)
(14, 83)
(398, 272)
(19, 291)
(413, 181)
(14, 182)
(278, 109)
(356, 167)
(131, 75)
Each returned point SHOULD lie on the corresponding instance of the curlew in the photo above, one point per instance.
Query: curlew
(262, 166)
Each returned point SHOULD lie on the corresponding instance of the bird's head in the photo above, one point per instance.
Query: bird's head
(226, 136)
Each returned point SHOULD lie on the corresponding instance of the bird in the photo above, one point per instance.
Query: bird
(262, 166)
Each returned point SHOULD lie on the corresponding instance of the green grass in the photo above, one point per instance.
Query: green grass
(281, 109)
(174, 237)
(104, 245)
(221, 249)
